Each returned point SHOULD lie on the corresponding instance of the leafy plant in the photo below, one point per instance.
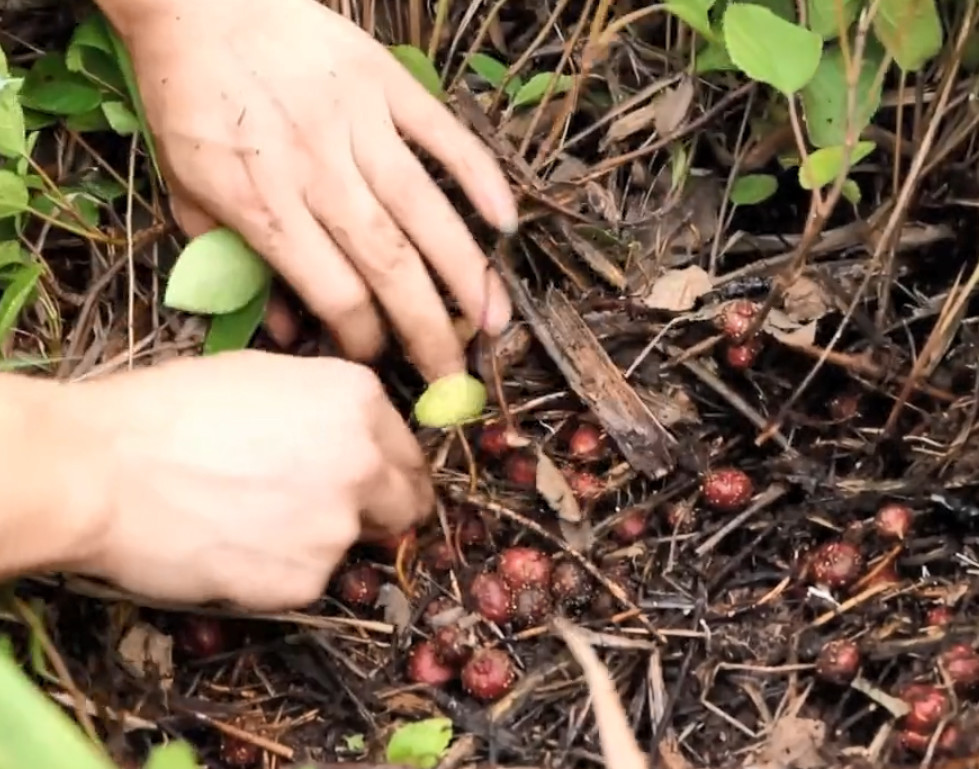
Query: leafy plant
(420, 744)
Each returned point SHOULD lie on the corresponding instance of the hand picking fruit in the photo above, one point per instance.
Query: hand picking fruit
(246, 476)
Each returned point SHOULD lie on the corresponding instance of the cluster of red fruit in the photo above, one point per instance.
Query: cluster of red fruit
(735, 320)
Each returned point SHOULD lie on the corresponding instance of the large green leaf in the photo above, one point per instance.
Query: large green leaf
(421, 68)
(910, 30)
(420, 744)
(824, 98)
(825, 16)
(51, 87)
(234, 330)
(824, 165)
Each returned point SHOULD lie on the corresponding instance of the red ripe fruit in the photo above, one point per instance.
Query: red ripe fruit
(736, 318)
(929, 705)
(521, 566)
(200, 637)
(727, 489)
(962, 665)
(584, 485)
(893, 521)
(838, 661)
(917, 743)
(472, 531)
(452, 645)
(359, 585)
(835, 564)
(630, 526)
(390, 546)
(844, 407)
(493, 440)
(571, 585)
(424, 666)
(491, 598)
(239, 754)
(521, 469)
(743, 356)
(531, 605)
(586, 443)
(488, 675)
(438, 556)
(938, 616)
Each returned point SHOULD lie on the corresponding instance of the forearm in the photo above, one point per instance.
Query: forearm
(50, 480)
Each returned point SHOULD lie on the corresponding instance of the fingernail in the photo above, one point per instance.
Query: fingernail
(506, 214)
(498, 313)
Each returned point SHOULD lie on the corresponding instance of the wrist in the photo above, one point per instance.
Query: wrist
(54, 485)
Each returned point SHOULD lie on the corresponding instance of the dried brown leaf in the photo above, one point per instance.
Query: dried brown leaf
(805, 300)
(672, 107)
(793, 743)
(148, 653)
(553, 486)
(632, 122)
(679, 290)
(397, 607)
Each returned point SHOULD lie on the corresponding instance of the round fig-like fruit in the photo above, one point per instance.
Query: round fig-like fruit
(838, 661)
(571, 586)
(531, 605)
(630, 525)
(939, 616)
(491, 597)
(239, 754)
(424, 666)
(736, 318)
(200, 637)
(929, 705)
(893, 521)
(488, 675)
(521, 469)
(917, 743)
(727, 489)
(472, 531)
(586, 443)
(741, 357)
(586, 486)
(359, 585)
(961, 663)
(438, 556)
(492, 440)
(520, 566)
(452, 646)
(835, 564)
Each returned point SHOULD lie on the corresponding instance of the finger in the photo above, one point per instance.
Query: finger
(428, 123)
(280, 323)
(392, 267)
(390, 168)
(190, 218)
(389, 502)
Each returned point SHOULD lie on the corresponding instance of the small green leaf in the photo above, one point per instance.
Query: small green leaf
(217, 273)
(713, 57)
(824, 165)
(51, 87)
(84, 207)
(770, 49)
(488, 68)
(90, 53)
(421, 68)
(694, 14)
(234, 330)
(35, 121)
(824, 98)
(15, 296)
(12, 128)
(354, 743)
(910, 30)
(12, 254)
(751, 189)
(823, 16)
(174, 755)
(120, 118)
(93, 121)
(14, 196)
(450, 401)
(534, 89)
(420, 744)
(851, 191)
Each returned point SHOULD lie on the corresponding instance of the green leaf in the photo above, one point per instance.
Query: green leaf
(770, 49)
(488, 68)
(420, 744)
(174, 755)
(823, 16)
(120, 118)
(751, 189)
(12, 254)
(355, 743)
(851, 191)
(35, 121)
(14, 196)
(694, 14)
(910, 30)
(90, 53)
(15, 296)
(713, 57)
(534, 89)
(217, 273)
(824, 165)
(824, 98)
(784, 9)
(234, 330)
(450, 400)
(84, 207)
(421, 68)
(92, 121)
(12, 129)
(51, 87)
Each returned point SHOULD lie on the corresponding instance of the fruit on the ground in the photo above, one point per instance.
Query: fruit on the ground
(917, 743)
(885, 576)
(929, 705)
(893, 521)
(451, 400)
(743, 356)
(680, 517)
(838, 661)
(844, 407)
(438, 556)
(961, 662)
(586, 443)
(239, 754)
(424, 666)
(488, 675)
(630, 526)
(491, 597)
(521, 469)
(201, 637)
(736, 318)
(492, 440)
(571, 585)
(359, 585)
(835, 564)
(603, 603)
(727, 489)
(521, 566)
(585, 485)
(393, 544)
(938, 616)
(452, 645)
(472, 531)
(531, 605)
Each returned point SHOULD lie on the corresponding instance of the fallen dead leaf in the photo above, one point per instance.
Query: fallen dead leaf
(672, 107)
(803, 336)
(678, 290)
(631, 122)
(148, 653)
(805, 300)
(397, 607)
(553, 486)
(793, 743)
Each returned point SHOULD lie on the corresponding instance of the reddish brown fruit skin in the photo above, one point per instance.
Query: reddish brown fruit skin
(488, 675)
(493, 441)
(438, 556)
(451, 645)
(520, 566)
(201, 637)
(743, 356)
(586, 443)
(585, 485)
(835, 564)
(844, 407)
(571, 586)
(239, 754)
(838, 661)
(929, 705)
(893, 522)
(727, 489)
(604, 604)
(492, 598)
(736, 318)
(424, 666)
(680, 517)
(359, 585)
(531, 605)
(917, 743)
(886, 576)
(962, 665)
(631, 526)
(521, 470)
(938, 616)
(472, 531)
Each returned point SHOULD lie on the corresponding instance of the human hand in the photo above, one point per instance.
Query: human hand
(244, 476)
(283, 121)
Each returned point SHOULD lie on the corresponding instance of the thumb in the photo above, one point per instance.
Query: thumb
(279, 323)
